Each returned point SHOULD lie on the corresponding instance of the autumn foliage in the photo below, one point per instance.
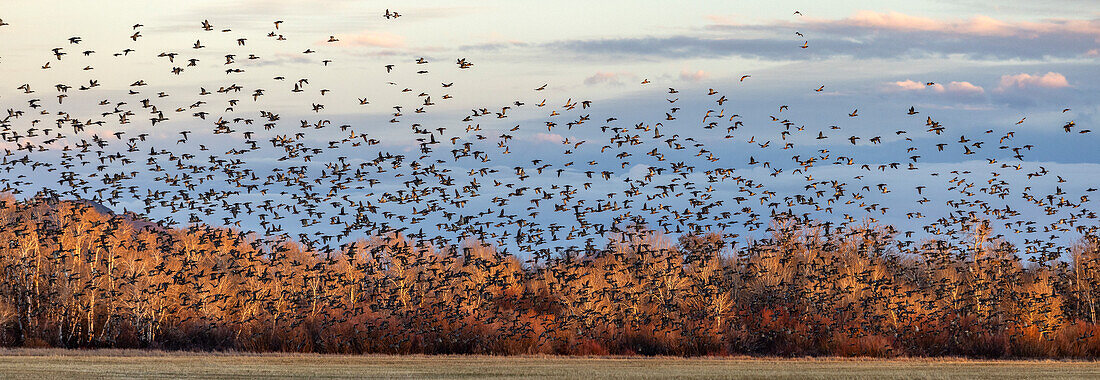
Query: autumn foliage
(75, 277)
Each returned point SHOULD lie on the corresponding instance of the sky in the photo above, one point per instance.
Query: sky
(981, 69)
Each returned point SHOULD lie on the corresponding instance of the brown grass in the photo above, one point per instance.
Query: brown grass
(57, 363)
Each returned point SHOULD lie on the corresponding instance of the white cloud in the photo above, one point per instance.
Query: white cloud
(1024, 81)
(964, 88)
(372, 38)
(695, 76)
(606, 77)
(548, 137)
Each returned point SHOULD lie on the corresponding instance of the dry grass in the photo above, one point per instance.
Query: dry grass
(99, 364)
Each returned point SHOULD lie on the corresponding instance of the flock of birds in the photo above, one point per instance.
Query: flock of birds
(549, 180)
(200, 156)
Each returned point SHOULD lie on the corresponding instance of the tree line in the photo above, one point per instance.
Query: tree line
(76, 277)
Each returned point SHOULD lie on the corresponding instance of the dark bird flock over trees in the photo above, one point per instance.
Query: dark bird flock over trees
(144, 213)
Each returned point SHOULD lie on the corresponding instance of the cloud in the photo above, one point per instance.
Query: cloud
(964, 88)
(496, 46)
(857, 44)
(1025, 81)
(638, 171)
(955, 88)
(678, 47)
(548, 137)
(722, 20)
(693, 76)
(279, 59)
(372, 38)
(605, 77)
(863, 35)
(890, 20)
(908, 85)
(979, 25)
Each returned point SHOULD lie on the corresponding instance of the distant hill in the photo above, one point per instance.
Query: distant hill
(98, 207)
(139, 222)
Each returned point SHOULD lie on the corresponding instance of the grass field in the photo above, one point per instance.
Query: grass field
(37, 364)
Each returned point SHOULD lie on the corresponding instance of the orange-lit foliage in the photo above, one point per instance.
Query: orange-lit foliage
(73, 277)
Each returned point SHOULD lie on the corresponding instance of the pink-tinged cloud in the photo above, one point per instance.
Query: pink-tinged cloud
(978, 25)
(605, 77)
(1025, 80)
(955, 88)
(891, 20)
(693, 76)
(372, 38)
(964, 88)
(908, 85)
(722, 20)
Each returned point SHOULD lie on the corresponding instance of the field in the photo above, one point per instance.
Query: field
(26, 364)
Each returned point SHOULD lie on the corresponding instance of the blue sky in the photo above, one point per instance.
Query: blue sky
(981, 70)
